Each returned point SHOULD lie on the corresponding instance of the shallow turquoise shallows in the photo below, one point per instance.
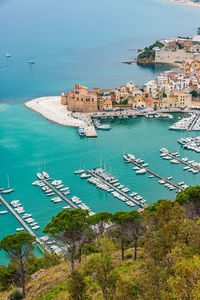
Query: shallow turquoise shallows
(84, 42)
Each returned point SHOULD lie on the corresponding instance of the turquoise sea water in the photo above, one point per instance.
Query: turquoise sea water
(84, 42)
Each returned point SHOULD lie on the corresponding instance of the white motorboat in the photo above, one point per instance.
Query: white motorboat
(20, 229)
(79, 171)
(131, 156)
(45, 174)
(7, 55)
(186, 168)
(3, 212)
(31, 61)
(126, 157)
(40, 176)
(85, 175)
(8, 191)
(35, 227)
(66, 207)
(141, 171)
(145, 164)
(81, 131)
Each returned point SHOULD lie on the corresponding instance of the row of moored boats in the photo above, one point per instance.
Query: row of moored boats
(112, 185)
(27, 217)
(190, 143)
(190, 165)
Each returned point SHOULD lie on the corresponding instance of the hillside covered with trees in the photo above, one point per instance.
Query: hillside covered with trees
(125, 255)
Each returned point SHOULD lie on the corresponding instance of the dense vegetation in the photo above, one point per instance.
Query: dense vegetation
(125, 255)
(148, 52)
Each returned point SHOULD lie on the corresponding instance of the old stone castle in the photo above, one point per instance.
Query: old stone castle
(82, 100)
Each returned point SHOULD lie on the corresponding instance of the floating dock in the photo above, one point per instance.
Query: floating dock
(182, 161)
(154, 174)
(116, 189)
(41, 245)
(59, 193)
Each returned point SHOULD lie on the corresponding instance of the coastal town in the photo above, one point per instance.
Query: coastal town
(100, 145)
(175, 90)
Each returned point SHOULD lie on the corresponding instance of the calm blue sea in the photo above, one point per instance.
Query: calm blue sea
(84, 42)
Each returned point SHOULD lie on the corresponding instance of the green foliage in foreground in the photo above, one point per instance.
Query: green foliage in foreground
(168, 247)
(16, 295)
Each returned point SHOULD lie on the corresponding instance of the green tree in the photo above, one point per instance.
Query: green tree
(194, 94)
(198, 31)
(18, 247)
(100, 221)
(102, 269)
(16, 295)
(34, 264)
(190, 200)
(77, 286)
(70, 227)
(7, 275)
(130, 227)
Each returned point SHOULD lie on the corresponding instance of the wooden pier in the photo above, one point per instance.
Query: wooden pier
(59, 193)
(25, 225)
(183, 162)
(116, 189)
(154, 174)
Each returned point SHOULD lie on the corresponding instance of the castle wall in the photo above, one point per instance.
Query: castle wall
(171, 57)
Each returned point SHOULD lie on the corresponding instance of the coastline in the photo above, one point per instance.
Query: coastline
(51, 109)
(186, 2)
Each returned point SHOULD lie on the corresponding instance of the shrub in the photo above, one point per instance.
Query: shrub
(16, 295)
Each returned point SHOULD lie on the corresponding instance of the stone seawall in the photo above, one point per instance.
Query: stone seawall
(171, 57)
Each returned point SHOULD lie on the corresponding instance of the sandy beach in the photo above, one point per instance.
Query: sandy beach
(51, 109)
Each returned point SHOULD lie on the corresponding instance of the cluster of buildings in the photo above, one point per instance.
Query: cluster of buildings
(177, 88)
(178, 50)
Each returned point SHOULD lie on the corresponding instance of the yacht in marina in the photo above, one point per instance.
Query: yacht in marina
(85, 175)
(136, 168)
(186, 168)
(145, 165)
(141, 171)
(98, 125)
(3, 212)
(20, 229)
(81, 131)
(66, 207)
(40, 176)
(45, 174)
(126, 157)
(8, 191)
(35, 227)
(79, 171)
(131, 156)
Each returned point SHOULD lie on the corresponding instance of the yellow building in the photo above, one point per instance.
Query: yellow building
(192, 64)
(107, 103)
(176, 99)
(195, 103)
(138, 101)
